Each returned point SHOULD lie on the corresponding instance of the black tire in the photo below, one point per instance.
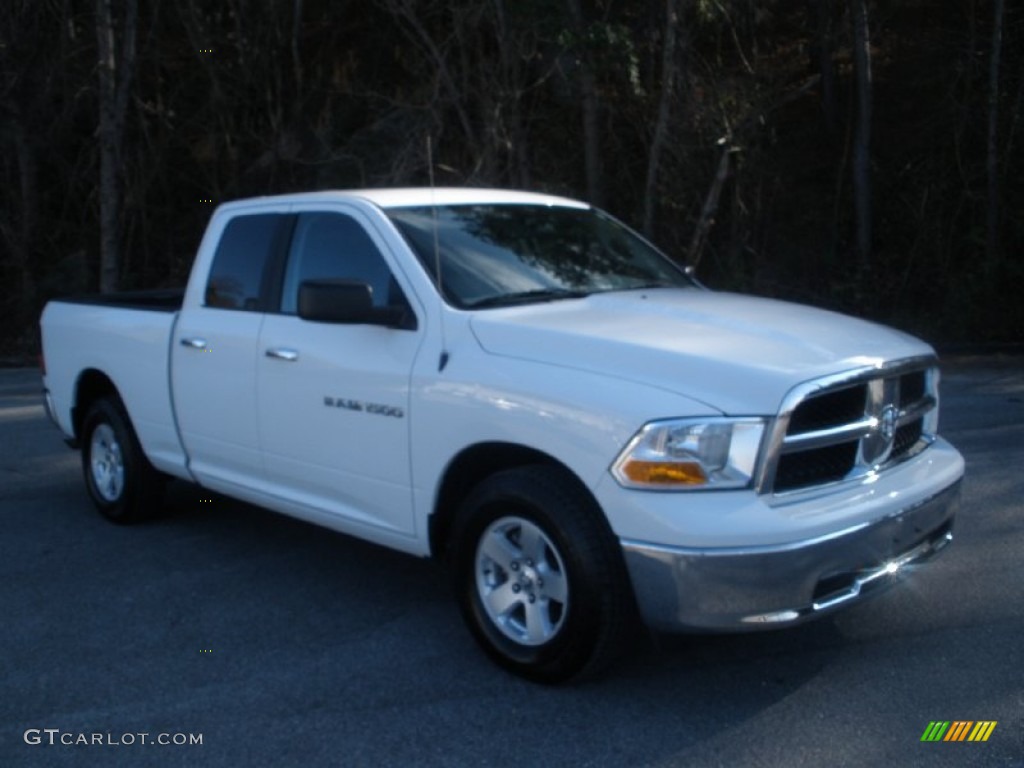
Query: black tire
(121, 482)
(539, 575)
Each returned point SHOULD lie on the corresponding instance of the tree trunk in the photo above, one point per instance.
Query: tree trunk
(28, 175)
(992, 217)
(296, 59)
(862, 132)
(591, 104)
(826, 66)
(406, 11)
(707, 213)
(512, 51)
(668, 71)
(115, 88)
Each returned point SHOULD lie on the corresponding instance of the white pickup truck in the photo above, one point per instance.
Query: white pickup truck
(522, 386)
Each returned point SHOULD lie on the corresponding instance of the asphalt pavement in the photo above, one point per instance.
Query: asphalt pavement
(275, 643)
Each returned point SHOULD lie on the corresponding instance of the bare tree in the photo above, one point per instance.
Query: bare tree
(825, 49)
(514, 47)
(19, 238)
(592, 144)
(661, 125)
(617, 102)
(862, 132)
(296, 33)
(116, 70)
(992, 155)
(710, 207)
(22, 72)
(408, 14)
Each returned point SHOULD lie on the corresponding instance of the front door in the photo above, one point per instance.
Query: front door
(333, 399)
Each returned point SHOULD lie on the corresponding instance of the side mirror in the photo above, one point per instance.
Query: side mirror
(349, 302)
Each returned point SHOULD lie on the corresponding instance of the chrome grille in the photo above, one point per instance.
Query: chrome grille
(851, 426)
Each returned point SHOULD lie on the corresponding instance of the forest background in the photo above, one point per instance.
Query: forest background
(862, 155)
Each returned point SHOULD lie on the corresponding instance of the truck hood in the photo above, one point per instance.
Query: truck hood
(737, 354)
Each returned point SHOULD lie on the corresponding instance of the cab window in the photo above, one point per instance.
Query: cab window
(333, 245)
(240, 265)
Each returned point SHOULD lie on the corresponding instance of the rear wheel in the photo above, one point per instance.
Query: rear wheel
(539, 575)
(121, 482)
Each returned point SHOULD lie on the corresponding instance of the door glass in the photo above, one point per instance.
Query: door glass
(332, 245)
(245, 248)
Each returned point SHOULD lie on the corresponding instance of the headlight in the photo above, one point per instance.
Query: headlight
(691, 454)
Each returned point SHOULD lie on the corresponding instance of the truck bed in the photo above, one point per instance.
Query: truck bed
(125, 339)
(161, 300)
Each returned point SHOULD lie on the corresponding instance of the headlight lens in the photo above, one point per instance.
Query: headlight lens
(691, 454)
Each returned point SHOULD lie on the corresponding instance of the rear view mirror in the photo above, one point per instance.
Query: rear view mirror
(346, 301)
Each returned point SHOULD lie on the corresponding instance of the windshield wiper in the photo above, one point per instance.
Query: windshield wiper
(526, 297)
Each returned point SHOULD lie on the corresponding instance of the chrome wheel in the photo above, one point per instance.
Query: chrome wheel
(521, 581)
(539, 574)
(106, 463)
(121, 482)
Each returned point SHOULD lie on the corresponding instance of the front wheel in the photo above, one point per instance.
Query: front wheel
(539, 575)
(121, 482)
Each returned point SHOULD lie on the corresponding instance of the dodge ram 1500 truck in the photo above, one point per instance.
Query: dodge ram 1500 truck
(524, 387)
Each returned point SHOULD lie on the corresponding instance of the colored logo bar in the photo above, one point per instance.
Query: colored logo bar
(959, 730)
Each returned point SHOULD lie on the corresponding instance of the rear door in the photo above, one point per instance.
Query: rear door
(333, 399)
(214, 353)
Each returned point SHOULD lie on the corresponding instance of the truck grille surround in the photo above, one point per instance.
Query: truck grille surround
(850, 427)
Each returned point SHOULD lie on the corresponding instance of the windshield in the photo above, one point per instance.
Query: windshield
(501, 254)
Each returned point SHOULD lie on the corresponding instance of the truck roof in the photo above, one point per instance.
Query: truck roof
(401, 197)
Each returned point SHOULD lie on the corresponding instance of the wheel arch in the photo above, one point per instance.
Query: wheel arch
(92, 384)
(467, 470)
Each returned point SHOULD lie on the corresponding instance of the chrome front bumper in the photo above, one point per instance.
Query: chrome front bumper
(726, 589)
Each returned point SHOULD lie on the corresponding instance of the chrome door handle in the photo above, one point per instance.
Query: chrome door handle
(194, 343)
(282, 353)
